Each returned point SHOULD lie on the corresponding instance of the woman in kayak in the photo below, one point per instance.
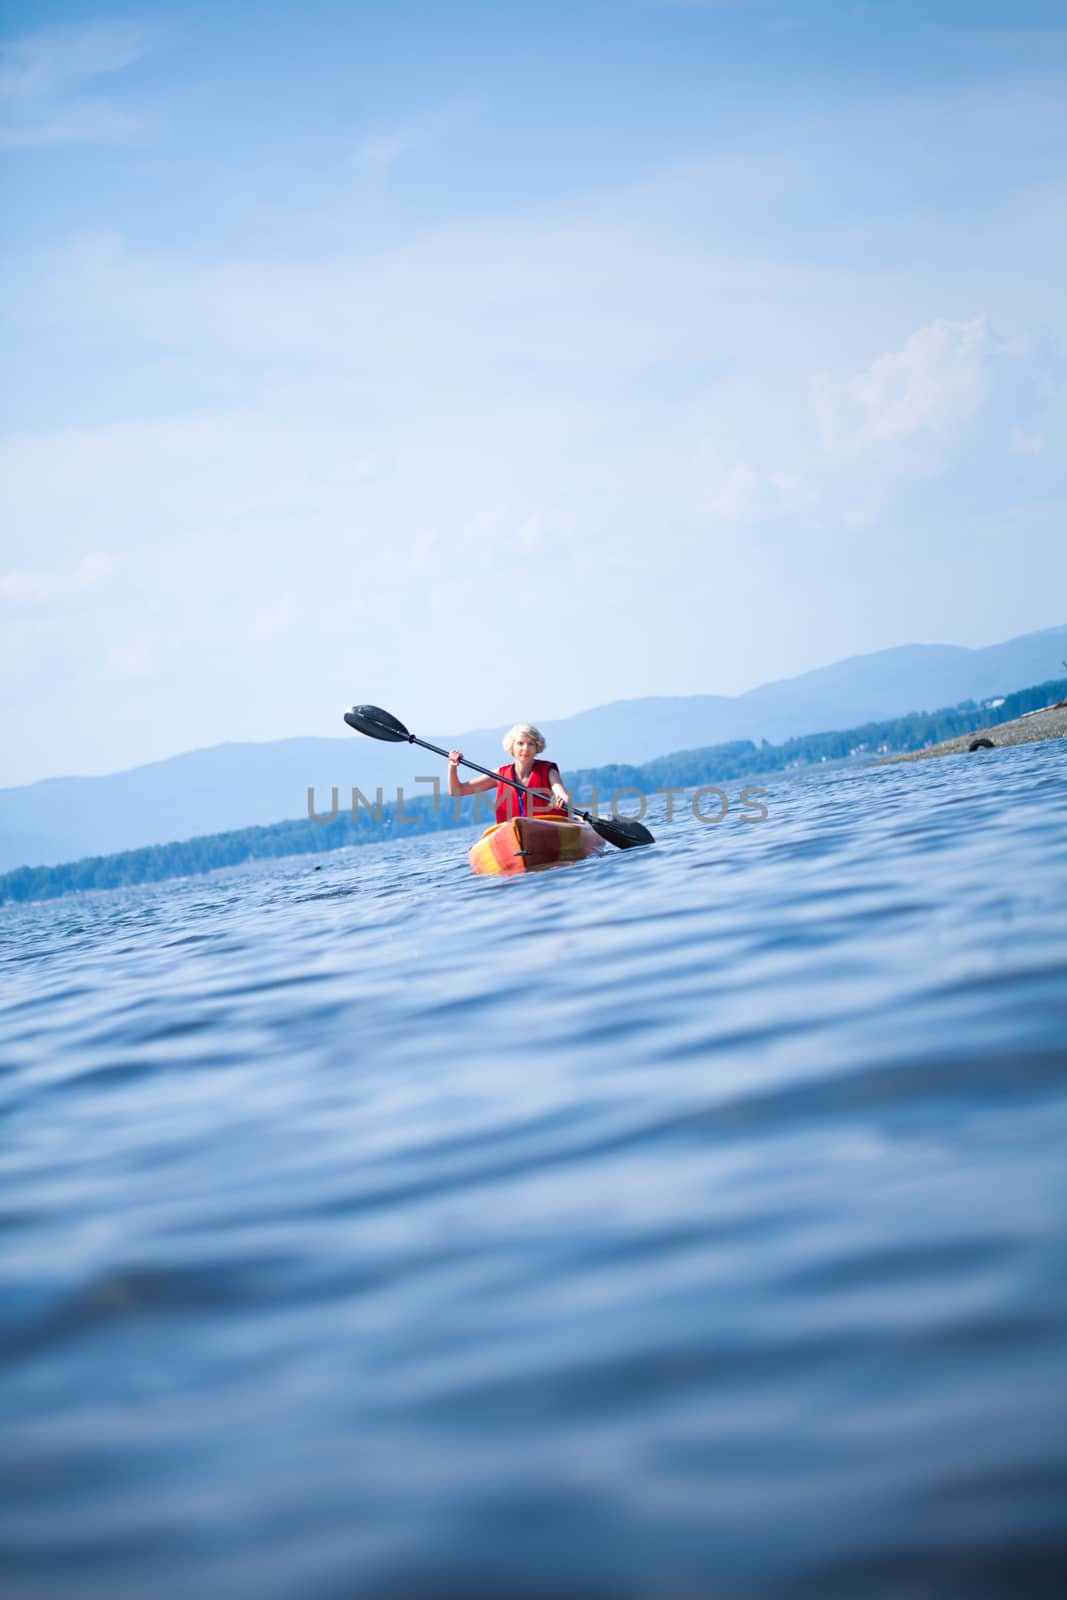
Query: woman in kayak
(524, 744)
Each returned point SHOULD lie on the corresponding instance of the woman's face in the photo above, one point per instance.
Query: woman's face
(524, 750)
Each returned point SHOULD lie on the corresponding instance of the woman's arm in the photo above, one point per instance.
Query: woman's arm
(559, 793)
(456, 786)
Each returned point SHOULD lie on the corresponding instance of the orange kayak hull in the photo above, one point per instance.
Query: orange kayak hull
(526, 844)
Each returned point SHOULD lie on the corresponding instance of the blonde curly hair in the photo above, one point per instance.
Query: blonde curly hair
(531, 733)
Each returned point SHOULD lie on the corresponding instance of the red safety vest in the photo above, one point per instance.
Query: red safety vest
(509, 803)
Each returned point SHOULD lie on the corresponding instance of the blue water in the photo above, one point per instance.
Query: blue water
(688, 1222)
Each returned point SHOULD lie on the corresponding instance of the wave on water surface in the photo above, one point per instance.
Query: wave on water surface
(687, 1221)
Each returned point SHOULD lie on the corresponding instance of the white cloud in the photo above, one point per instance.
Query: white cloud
(91, 571)
(42, 65)
(42, 77)
(378, 153)
(932, 386)
(81, 122)
(733, 495)
(135, 658)
(1026, 444)
(530, 533)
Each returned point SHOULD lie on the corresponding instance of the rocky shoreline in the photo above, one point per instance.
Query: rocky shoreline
(1048, 723)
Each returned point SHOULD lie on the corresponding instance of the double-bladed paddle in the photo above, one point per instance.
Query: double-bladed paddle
(379, 724)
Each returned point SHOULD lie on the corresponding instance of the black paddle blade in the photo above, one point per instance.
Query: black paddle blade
(624, 835)
(377, 724)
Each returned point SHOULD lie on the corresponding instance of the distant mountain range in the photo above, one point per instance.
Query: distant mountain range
(241, 785)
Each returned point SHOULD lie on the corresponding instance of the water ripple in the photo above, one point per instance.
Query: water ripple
(688, 1222)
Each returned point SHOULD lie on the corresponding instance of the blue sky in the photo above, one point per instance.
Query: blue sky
(497, 361)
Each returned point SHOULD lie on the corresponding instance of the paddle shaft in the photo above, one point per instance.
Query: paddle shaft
(485, 771)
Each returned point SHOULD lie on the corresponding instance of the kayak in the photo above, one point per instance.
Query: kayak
(527, 843)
